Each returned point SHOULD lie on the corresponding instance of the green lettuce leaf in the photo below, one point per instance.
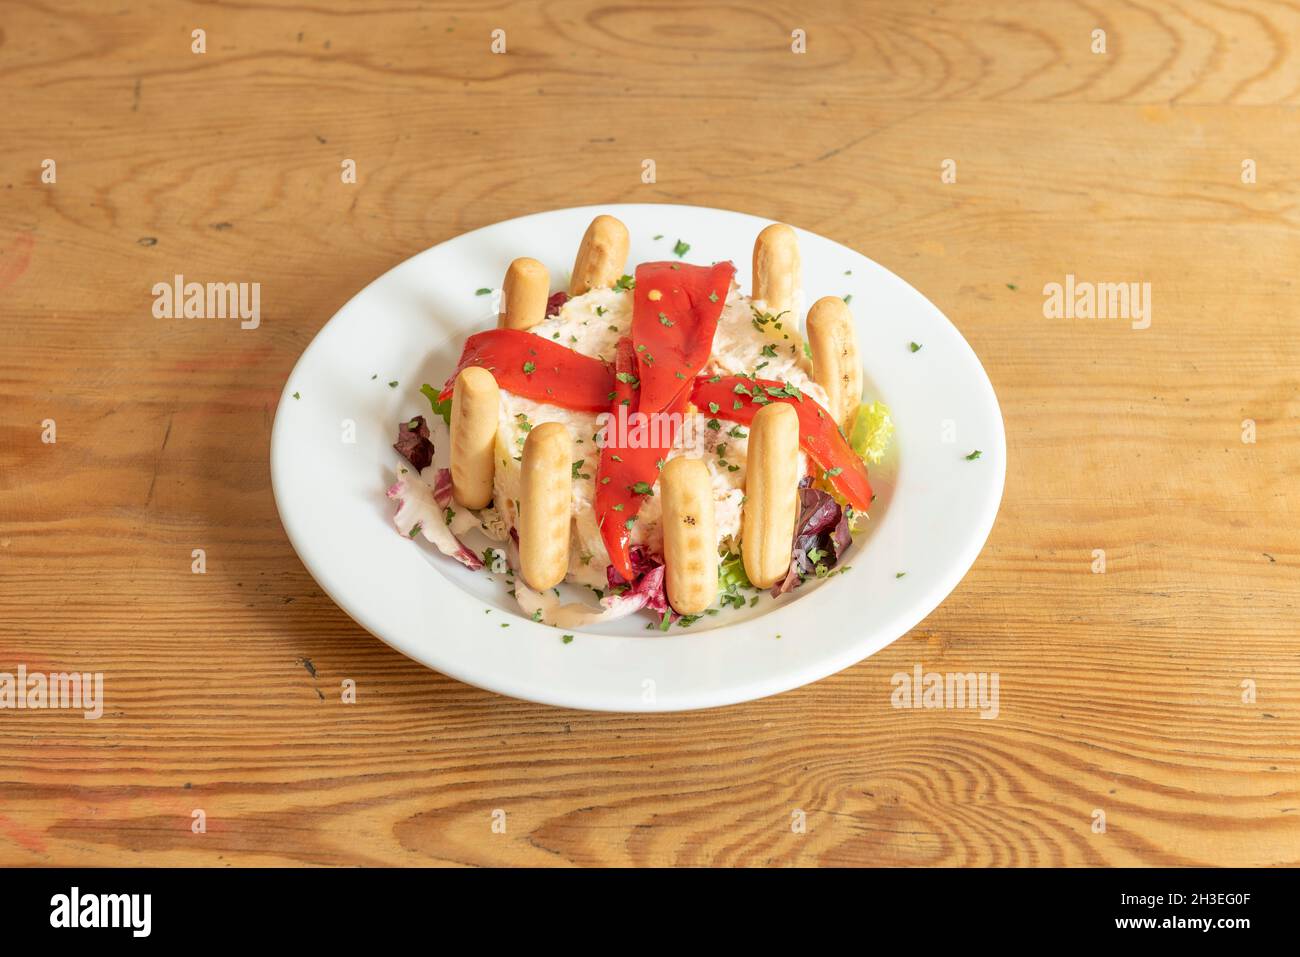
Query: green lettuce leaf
(872, 432)
(440, 409)
(731, 572)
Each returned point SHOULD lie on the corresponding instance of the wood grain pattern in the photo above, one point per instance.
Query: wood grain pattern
(1119, 692)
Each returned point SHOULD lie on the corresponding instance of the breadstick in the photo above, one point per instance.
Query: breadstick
(523, 294)
(771, 494)
(836, 366)
(690, 544)
(545, 505)
(474, 409)
(777, 272)
(602, 256)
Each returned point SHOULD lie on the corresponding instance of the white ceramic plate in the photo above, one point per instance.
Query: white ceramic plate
(933, 511)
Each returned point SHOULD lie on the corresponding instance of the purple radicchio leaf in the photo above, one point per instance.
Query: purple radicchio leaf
(555, 303)
(822, 529)
(413, 443)
(418, 513)
(442, 488)
(649, 581)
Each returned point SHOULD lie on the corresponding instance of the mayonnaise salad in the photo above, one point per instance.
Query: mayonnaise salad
(564, 421)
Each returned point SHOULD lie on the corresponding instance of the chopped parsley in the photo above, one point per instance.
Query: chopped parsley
(761, 319)
(482, 292)
(973, 456)
(530, 368)
(915, 346)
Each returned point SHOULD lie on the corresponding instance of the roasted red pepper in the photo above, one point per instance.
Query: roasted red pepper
(626, 474)
(537, 368)
(674, 317)
(739, 399)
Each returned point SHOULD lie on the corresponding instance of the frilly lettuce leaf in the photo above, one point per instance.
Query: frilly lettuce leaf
(872, 431)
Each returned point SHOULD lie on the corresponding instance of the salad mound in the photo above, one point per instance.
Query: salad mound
(670, 361)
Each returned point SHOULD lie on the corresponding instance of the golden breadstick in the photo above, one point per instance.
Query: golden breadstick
(475, 407)
(523, 294)
(545, 505)
(771, 494)
(777, 272)
(602, 256)
(836, 366)
(690, 544)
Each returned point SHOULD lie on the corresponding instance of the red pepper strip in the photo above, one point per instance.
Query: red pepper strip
(623, 467)
(819, 436)
(537, 368)
(673, 333)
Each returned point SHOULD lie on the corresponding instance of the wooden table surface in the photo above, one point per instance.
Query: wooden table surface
(1127, 693)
